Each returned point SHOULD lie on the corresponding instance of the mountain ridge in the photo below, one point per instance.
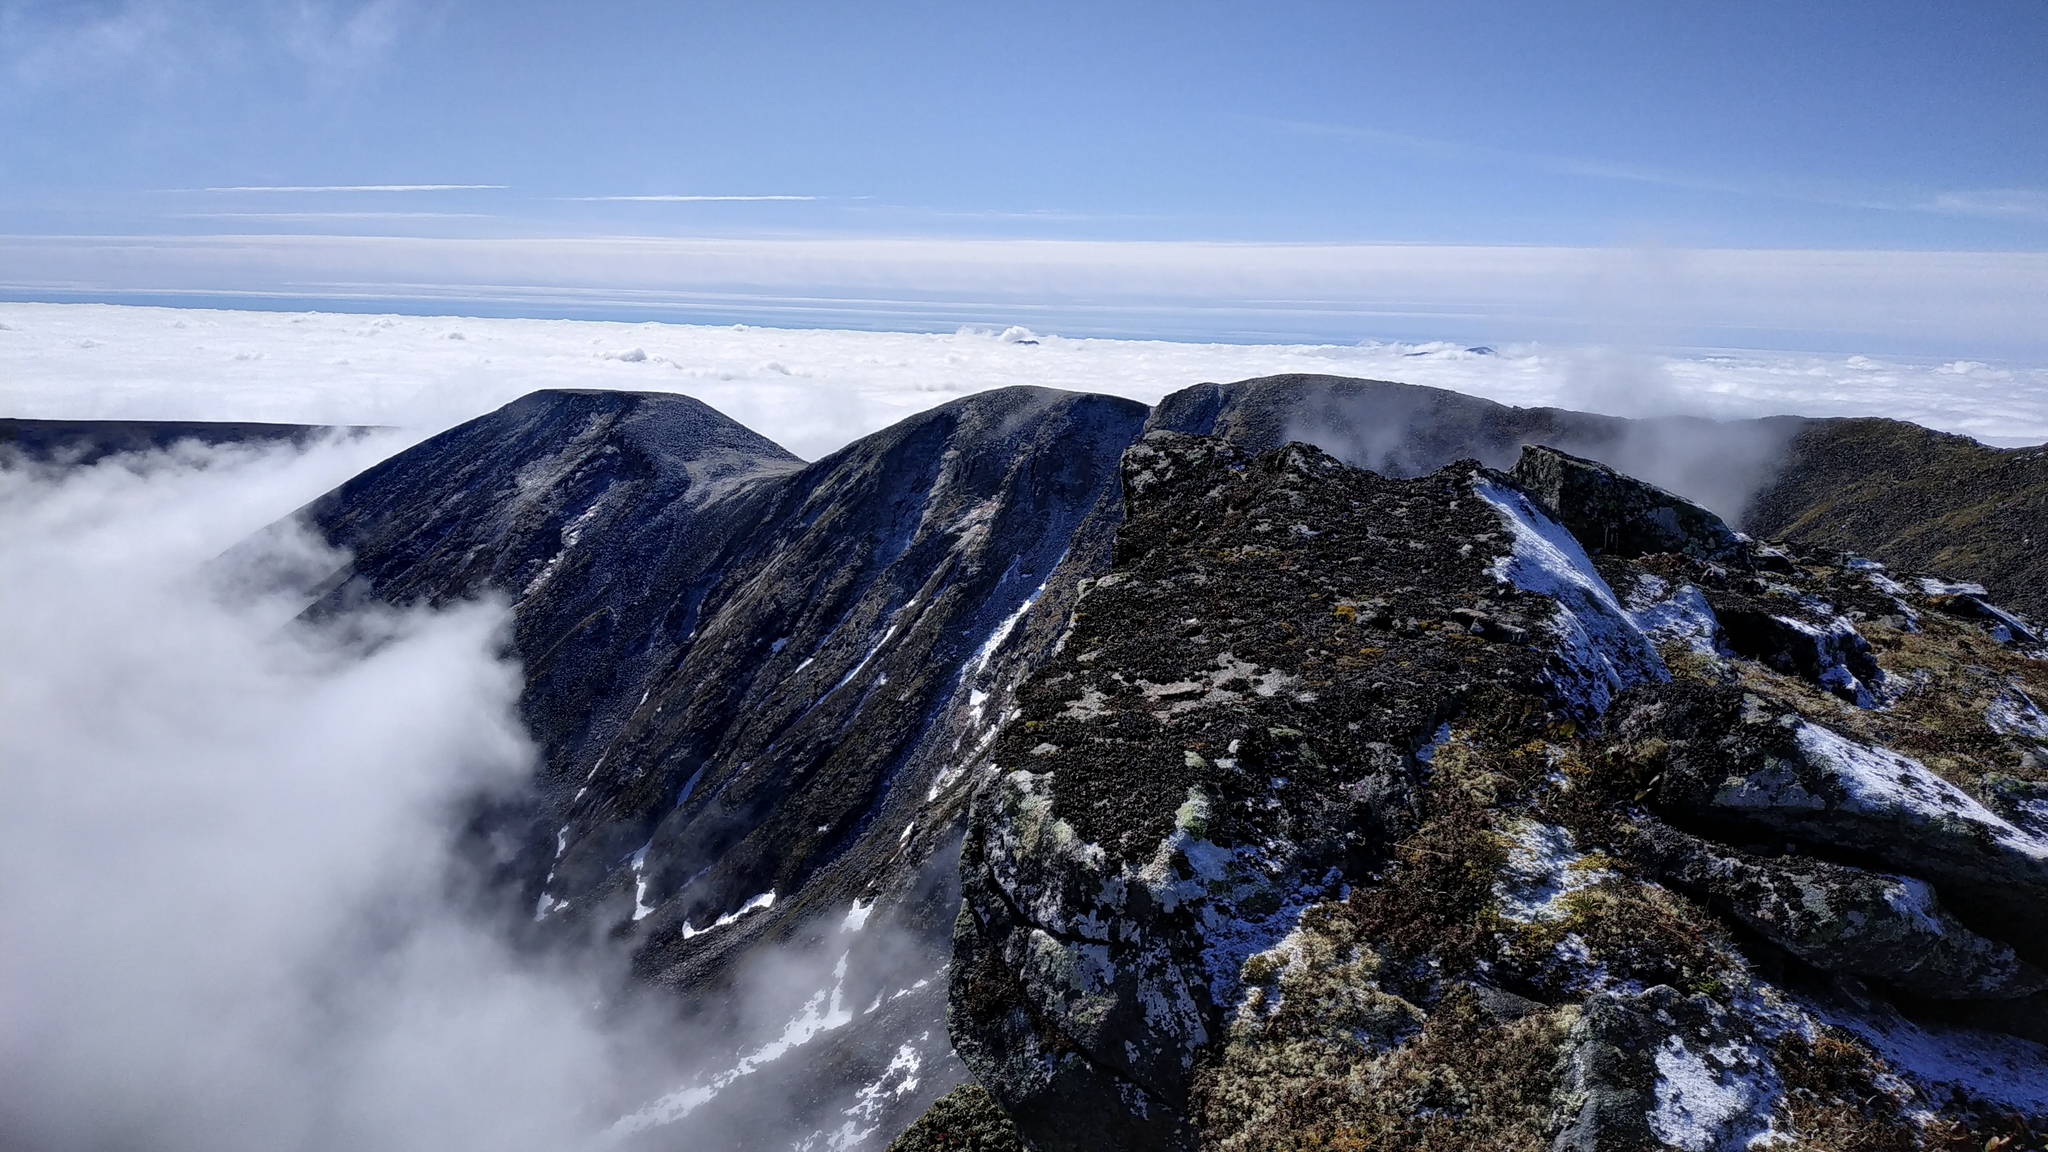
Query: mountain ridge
(765, 690)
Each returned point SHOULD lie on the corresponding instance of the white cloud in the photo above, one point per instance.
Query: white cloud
(2028, 203)
(678, 199)
(224, 844)
(352, 187)
(231, 915)
(813, 390)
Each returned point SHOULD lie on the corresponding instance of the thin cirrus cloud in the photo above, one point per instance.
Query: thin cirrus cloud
(1562, 165)
(356, 188)
(2009, 203)
(2030, 203)
(335, 216)
(684, 199)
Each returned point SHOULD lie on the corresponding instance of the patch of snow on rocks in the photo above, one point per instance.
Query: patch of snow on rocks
(1708, 1102)
(900, 1078)
(2003, 1069)
(1880, 780)
(1933, 587)
(1543, 867)
(857, 916)
(641, 908)
(764, 900)
(1002, 631)
(2014, 713)
(1828, 646)
(1600, 651)
(823, 1012)
(1679, 615)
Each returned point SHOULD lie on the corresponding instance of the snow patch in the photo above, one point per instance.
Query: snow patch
(996, 639)
(848, 678)
(1600, 649)
(2014, 713)
(764, 900)
(1707, 1102)
(1879, 780)
(2000, 1068)
(897, 1080)
(641, 908)
(823, 1012)
(1680, 615)
(1543, 867)
(857, 916)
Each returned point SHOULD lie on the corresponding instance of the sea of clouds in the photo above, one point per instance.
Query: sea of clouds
(815, 390)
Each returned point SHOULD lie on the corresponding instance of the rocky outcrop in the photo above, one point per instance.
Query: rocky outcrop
(1867, 924)
(1728, 761)
(1362, 812)
(963, 1120)
(1617, 514)
(1215, 746)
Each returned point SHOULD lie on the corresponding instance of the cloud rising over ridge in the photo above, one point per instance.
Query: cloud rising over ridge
(235, 908)
(226, 921)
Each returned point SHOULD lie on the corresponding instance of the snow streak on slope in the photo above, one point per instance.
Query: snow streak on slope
(815, 390)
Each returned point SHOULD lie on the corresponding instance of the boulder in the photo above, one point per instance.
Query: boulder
(1619, 515)
(1733, 764)
(1845, 920)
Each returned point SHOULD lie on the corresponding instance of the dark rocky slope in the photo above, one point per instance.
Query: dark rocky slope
(753, 681)
(1357, 812)
(765, 690)
(1916, 499)
(81, 443)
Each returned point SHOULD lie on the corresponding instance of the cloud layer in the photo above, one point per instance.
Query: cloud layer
(813, 390)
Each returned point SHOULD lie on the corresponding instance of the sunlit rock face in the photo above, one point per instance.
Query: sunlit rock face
(1448, 812)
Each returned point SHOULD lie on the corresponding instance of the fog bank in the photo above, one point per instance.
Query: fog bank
(231, 914)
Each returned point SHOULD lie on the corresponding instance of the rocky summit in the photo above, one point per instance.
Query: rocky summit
(1534, 809)
(1299, 763)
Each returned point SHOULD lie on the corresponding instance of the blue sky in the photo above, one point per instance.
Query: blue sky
(1869, 127)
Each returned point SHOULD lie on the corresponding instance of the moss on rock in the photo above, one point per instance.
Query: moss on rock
(963, 1120)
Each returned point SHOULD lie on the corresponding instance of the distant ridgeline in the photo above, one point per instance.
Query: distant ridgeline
(87, 442)
(1303, 762)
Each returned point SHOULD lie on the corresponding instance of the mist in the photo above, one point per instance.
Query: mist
(232, 915)
(1718, 463)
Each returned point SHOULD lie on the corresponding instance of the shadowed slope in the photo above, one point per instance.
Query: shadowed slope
(1917, 500)
(80, 443)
